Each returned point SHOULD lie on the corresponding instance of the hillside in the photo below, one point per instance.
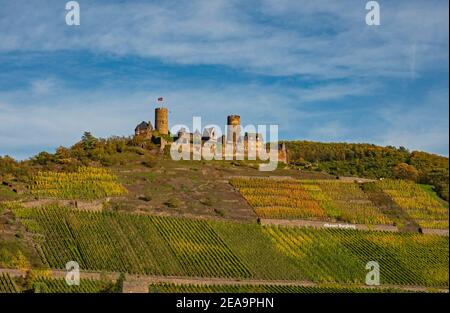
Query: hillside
(121, 205)
(371, 161)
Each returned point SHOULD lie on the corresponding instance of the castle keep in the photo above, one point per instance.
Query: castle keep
(162, 120)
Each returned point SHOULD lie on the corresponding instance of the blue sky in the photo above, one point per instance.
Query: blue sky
(313, 67)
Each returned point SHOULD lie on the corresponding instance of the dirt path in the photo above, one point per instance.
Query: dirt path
(85, 205)
(325, 224)
(274, 177)
(140, 283)
(352, 179)
(440, 232)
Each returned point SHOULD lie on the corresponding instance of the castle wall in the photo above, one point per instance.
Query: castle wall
(146, 133)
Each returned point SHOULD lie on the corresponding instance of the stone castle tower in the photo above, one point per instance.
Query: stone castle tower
(162, 120)
(233, 134)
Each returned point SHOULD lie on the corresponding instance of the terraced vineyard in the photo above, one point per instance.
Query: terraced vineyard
(330, 200)
(6, 284)
(278, 198)
(124, 242)
(189, 288)
(132, 243)
(426, 209)
(309, 199)
(345, 201)
(85, 183)
(327, 255)
(59, 285)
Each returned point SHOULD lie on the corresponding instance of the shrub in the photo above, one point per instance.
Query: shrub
(219, 212)
(405, 171)
(173, 203)
(207, 201)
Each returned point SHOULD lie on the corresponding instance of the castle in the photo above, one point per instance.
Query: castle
(145, 129)
(250, 141)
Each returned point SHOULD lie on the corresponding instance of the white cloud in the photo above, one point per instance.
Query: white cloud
(310, 38)
(43, 86)
(420, 126)
(329, 131)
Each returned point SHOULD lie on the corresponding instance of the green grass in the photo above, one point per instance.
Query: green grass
(430, 190)
(6, 194)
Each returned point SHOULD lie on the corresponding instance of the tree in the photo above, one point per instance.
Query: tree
(405, 171)
(439, 178)
(44, 158)
(88, 141)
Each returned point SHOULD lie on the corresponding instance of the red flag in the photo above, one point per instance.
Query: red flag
(160, 99)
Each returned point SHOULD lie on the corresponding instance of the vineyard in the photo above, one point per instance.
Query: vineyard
(309, 199)
(189, 288)
(345, 201)
(85, 183)
(329, 255)
(6, 284)
(122, 242)
(278, 198)
(426, 209)
(131, 243)
(59, 285)
(340, 201)
(54, 285)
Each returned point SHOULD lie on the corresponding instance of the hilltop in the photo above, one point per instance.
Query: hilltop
(311, 158)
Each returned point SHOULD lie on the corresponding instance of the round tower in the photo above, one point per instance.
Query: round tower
(233, 126)
(233, 120)
(162, 120)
